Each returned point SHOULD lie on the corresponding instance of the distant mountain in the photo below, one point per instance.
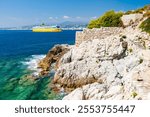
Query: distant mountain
(69, 24)
(72, 23)
(64, 25)
(19, 28)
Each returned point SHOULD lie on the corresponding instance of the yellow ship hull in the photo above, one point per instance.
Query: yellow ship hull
(46, 30)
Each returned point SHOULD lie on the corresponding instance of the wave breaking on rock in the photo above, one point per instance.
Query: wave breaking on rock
(32, 64)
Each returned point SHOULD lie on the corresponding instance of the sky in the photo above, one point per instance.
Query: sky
(30, 12)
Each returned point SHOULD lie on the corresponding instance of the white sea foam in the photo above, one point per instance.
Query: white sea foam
(32, 63)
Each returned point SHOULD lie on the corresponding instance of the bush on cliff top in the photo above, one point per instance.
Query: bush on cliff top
(145, 26)
(145, 9)
(109, 19)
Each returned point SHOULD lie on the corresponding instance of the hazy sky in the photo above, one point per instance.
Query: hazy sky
(27, 12)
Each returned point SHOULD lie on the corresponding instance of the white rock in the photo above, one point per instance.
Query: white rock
(75, 95)
(114, 90)
(131, 19)
(90, 62)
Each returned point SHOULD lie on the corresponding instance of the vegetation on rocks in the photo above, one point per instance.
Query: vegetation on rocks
(140, 10)
(109, 19)
(113, 19)
(134, 94)
(145, 26)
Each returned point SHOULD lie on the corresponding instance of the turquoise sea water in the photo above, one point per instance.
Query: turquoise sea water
(19, 51)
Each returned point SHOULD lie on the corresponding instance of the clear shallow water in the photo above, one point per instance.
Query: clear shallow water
(17, 62)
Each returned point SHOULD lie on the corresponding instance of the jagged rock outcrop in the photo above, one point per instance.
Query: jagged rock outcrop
(53, 56)
(86, 63)
(132, 19)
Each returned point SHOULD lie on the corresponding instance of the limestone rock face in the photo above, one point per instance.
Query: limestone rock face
(131, 19)
(132, 80)
(101, 59)
(90, 62)
(53, 56)
(75, 95)
(116, 67)
(97, 91)
(137, 82)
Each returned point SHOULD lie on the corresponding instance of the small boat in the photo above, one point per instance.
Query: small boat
(44, 28)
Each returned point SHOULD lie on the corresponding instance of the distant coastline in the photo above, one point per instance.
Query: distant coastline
(64, 26)
(31, 29)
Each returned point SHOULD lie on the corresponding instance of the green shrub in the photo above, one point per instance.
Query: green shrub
(147, 14)
(109, 19)
(94, 24)
(145, 26)
(129, 12)
(145, 9)
(130, 50)
(139, 10)
(134, 94)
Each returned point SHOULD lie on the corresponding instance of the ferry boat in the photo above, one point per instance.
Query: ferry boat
(44, 28)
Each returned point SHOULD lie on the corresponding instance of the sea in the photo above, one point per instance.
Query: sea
(20, 52)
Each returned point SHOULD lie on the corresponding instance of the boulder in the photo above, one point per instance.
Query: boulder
(75, 95)
(131, 19)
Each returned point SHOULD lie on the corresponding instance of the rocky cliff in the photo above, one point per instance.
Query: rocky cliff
(107, 63)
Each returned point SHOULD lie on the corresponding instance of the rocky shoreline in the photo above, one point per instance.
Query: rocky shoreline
(109, 66)
(53, 57)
